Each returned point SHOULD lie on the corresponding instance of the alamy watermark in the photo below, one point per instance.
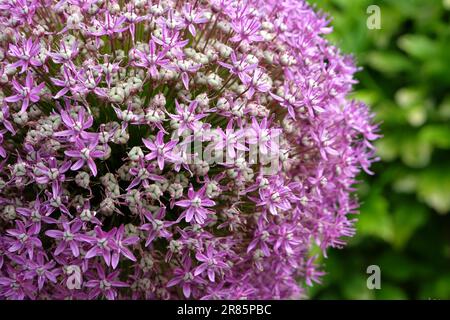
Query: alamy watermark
(374, 19)
(374, 280)
(74, 280)
(232, 147)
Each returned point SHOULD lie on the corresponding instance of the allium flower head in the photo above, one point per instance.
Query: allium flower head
(173, 149)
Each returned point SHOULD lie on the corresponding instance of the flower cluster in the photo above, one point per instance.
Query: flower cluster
(101, 194)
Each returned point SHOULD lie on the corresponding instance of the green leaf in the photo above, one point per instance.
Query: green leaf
(437, 289)
(417, 115)
(436, 134)
(387, 148)
(416, 153)
(355, 288)
(390, 292)
(405, 81)
(388, 62)
(434, 188)
(407, 218)
(444, 109)
(418, 46)
(409, 96)
(374, 219)
(366, 95)
(396, 267)
(405, 184)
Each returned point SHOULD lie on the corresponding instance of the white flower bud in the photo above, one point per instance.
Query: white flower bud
(9, 212)
(211, 54)
(248, 174)
(107, 206)
(78, 201)
(224, 26)
(200, 78)
(175, 190)
(212, 189)
(268, 36)
(201, 168)
(108, 179)
(82, 179)
(153, 191)
(19, 169)
(120, 136)
(175, 246)
(132, 230)
(134, 84)
(287, 60)
(86, 215)
(133, 197)
(124, 172)
(158, 100)
(146, 262)
(10, 71)
(167, 75)
(203, 102)
(238, 108)
(136, 154)
(182, 179)
(155, 9)
(223, 104)
(267, 25)
(154, 115)
(163, 185)
(117, 94)
(214, 80)
(34, 112)
(21, 118)
(114, 8)
(251, 59)
(232, 173)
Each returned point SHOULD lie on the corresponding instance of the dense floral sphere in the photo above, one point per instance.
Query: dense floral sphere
(173, 149)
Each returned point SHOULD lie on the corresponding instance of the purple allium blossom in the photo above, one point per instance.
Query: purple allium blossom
(160, 151)
(69, 237)
(76, 128)
(151, 60)
(14, 285)
(24, 239)
(119, 248)
(211, 263)
(5, 119)
(42, 270)
(37, 213)
(26, 54)
(2, 149)
(192, 16)
(25, 93)
(114, 120)
(231, 139)
(184, 277)
(186, 116)
(101, 244)
(158, 227)
(104, 284)
(143, 174)
(195, 206)
(85, 153)
(51, 172)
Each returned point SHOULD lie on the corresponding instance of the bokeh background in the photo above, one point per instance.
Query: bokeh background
(404, 225)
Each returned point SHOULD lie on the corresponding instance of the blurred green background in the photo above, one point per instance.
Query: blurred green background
(404, 226)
